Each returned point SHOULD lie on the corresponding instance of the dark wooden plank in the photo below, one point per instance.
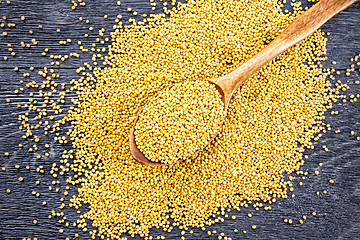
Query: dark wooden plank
(53, 15)
(338, 211)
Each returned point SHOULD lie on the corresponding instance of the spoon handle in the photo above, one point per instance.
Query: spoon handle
(302, 27)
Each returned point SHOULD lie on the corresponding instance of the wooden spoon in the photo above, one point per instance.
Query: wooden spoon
(302, 27)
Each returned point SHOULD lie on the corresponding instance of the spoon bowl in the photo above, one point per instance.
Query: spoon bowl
(140, 157)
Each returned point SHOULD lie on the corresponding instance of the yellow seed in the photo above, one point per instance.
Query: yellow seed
(264, 125)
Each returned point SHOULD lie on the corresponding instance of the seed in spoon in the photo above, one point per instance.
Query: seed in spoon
(179, 121)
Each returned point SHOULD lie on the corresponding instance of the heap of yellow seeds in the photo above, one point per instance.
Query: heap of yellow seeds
(270, 120)
(179, 121)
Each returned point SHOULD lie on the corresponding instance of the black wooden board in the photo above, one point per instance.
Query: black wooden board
(338, 211)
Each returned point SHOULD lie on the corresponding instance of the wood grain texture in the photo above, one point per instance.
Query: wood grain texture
(338, 212)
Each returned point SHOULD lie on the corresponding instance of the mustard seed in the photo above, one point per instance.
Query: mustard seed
(258, 132)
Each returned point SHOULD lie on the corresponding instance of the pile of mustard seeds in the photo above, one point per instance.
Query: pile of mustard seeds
(179, 121)
(270, 121)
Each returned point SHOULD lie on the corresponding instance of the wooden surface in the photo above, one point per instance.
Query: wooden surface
(338, 211)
